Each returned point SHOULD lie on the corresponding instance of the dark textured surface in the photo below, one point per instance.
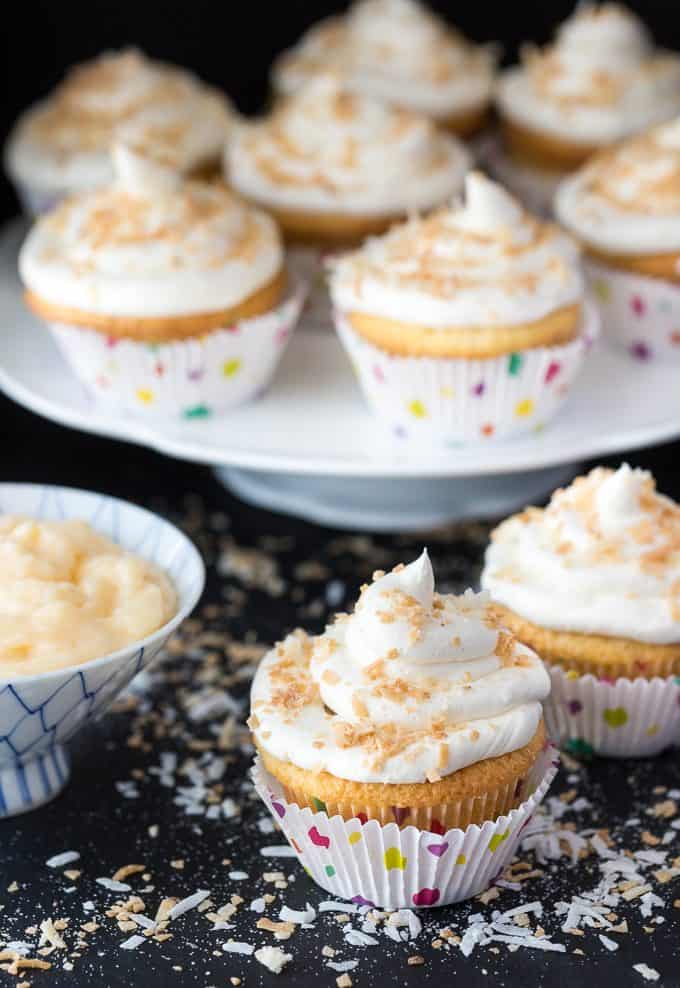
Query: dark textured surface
(258, 600)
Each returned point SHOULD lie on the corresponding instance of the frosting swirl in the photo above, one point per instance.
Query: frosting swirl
(64, 141)
(627, 199)
(482, 262)
(395, 50)
(600, 81)
(327, 149)
(603, 558)
(150, 244)
(411, 687)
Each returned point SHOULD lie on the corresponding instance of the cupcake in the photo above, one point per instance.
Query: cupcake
(592, 583)
(61, 145)
(468, 323)
(165, 295)
(600, 81)
(624, 207)
(400, 52)
(417, 713)
(333, 167)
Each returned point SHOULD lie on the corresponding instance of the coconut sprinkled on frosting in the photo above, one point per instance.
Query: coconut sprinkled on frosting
(327, 149)
(484, 261)
(412, 686)
(602, 558)
(627, 199)
(150, 244)
(601, 80)
(64, 141)
(396, 50)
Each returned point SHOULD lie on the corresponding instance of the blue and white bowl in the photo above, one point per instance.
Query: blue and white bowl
(40, 713)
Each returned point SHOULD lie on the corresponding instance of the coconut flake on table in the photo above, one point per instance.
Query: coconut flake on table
(278, 851)
(647, 972)
(273, 958)
(190, 902)
(238, 947)
(60, 860)
(112, 885)
(298, 916)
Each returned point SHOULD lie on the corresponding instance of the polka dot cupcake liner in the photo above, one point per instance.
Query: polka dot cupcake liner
(623, 718)
(370, 863)
(535, 187)
(191, 379)
(639, 313)
(452, 400)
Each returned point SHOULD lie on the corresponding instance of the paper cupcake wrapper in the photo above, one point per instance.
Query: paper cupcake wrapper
(533, 186)
(392, 868)
(639, 313)
(192, 378)
(451, 400)
(624, 718)
(308, 264)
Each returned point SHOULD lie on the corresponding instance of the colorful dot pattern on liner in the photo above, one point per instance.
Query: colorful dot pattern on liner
(625, 718)
(639, 313)
(370, 864)
(453, 400)
(192, 378)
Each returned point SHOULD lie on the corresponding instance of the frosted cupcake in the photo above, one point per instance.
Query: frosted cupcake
(61, 145)
(416, 712)
(398, 51)
(624, 207)
(592, 583)
(602, 80)
(333, 166)
(467, 324)
(165, 295)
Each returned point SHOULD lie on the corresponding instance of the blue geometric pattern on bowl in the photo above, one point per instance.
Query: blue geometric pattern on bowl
(40, 713)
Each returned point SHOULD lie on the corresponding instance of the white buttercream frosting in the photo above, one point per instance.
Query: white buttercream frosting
(396, 50)
(481, 262)
(150, 245)
(627, 199)
(603, 558)
(600, 81)
(412, 686)
(63, 142)
(330, 150)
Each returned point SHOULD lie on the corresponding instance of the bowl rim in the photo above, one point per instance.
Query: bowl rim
(165, 630)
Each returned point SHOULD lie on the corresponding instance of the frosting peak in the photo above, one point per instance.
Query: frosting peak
(329, 149)
(141, 171)
(64, 142)
(600, 80)
(396, 50)
(484, 261)
(489, 209)
(151, 244)
(627, 198)
(602, 558)
(411, 686)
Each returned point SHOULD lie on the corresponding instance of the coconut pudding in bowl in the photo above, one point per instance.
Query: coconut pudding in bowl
(91, 588)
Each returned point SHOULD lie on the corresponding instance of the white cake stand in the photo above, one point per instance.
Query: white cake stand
(311, 448)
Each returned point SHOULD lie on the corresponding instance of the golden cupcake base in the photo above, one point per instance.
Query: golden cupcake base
(163, 329)
(414, 340)
(479, 792)
(602, 656)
